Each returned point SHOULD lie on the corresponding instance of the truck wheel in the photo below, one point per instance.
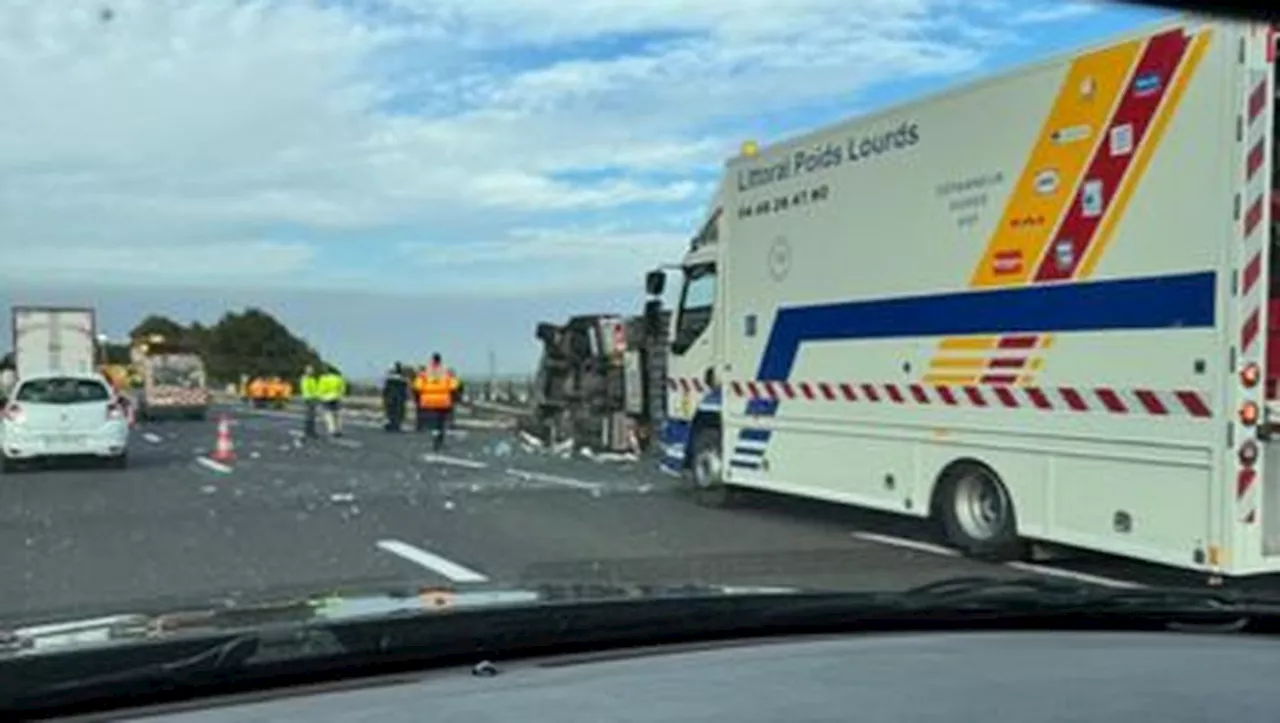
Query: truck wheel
(7, 465)
(976, 513)
(707, 469)
(120, 461)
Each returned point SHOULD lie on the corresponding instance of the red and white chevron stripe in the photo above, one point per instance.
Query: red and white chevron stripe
(1252, 292)
(1049, 399)
(687, 384)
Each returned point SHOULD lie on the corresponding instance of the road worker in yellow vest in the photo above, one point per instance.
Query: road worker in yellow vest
(435, 387)
(330, 389)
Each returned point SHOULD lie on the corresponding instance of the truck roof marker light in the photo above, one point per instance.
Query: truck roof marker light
(750, 149)
(1250, 375)
(1248, 453)
(1249, 414)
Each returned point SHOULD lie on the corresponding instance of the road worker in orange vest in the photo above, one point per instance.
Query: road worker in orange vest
(435, 386)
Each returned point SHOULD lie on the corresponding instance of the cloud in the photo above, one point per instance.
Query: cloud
(538, 260)
(515, 131)
(1055, 13)
(165, 263)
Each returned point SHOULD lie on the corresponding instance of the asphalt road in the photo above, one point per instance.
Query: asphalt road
(373, 510)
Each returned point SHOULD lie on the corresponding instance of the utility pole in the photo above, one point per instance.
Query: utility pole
(493, 374)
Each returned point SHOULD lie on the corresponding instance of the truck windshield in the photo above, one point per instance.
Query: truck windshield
(696, 302)
(176, 372)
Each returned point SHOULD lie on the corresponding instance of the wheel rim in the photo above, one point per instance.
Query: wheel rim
(981, 506)
(706, 468)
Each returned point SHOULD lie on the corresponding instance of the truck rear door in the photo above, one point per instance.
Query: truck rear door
(1257, 291)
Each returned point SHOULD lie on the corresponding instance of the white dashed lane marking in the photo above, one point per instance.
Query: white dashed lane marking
(455, 461)
(554, 479)
(906, 544)
(1033, 568)
(214, 465)
(431, 561)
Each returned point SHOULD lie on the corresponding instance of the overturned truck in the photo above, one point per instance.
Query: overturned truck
(600, 382)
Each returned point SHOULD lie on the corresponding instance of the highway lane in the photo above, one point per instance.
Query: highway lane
(374, 510)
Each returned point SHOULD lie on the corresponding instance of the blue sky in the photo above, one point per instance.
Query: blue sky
(497, 162)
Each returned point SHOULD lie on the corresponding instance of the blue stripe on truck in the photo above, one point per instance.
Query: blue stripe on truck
(1162, 302)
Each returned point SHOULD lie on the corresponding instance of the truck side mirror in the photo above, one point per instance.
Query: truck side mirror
(654, 282)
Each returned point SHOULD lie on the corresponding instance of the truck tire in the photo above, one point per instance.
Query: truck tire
(706, 468)
(976, 513)
(7, 465)
(120, 461)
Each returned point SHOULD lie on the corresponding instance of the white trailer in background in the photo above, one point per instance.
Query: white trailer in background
(54, 339)
(1036, 308)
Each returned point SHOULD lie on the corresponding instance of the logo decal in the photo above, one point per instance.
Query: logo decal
(1091, 198)
(1007, 262)
(779, 259)
(1071, 134)
(1088, 88)
(1122, 139)
(1046, 181)
(1064, 253)
(1026, 221)
(1146, 84)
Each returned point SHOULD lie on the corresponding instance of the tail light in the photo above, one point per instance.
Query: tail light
(13, 413)
(115, 410)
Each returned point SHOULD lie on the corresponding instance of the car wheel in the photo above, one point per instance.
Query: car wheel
(707, 470)
(977, 515)
(120, 461)
(8, 465)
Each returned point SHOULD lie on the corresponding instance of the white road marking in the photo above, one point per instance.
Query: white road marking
(433, 562)
(1072, 574)
(553, 479)
(213, 465)
(152, 437)
(455, 461)
(906, 543)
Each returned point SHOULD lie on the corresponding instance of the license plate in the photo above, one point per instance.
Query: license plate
(64, 439)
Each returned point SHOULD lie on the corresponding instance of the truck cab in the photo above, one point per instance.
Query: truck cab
(690, 436)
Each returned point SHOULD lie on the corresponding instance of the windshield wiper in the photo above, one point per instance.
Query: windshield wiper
(1048, 595)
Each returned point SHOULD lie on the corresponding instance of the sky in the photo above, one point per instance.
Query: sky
(394, 177)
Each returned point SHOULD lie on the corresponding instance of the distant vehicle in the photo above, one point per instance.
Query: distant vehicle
(63, 415)
(174, 382)
(54, 339)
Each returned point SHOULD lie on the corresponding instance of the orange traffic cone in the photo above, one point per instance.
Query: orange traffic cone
(225, 450)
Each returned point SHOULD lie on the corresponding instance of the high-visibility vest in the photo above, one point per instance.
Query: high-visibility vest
(435, 387)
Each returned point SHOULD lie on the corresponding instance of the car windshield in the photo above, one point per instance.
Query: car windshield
(544, 302)
(62, 390)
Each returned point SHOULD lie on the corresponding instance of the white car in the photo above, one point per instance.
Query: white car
(64, 415)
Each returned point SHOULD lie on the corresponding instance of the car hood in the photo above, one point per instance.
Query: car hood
(71, 635)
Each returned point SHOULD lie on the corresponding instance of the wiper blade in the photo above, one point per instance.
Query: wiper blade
(1036, 594)
(40, 683)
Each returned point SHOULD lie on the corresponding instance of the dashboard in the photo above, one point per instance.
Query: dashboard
(868, 678)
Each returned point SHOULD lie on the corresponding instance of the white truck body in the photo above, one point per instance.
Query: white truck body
(1060, 275)
(54, 339)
